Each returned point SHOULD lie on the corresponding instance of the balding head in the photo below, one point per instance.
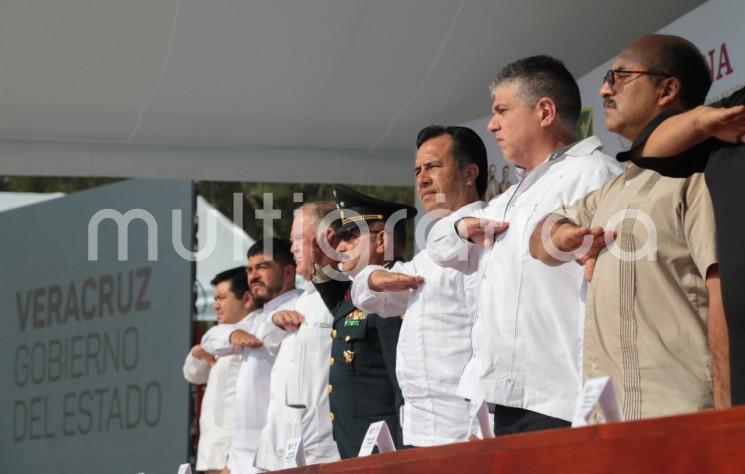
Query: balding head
(675, 56)
(305, 236)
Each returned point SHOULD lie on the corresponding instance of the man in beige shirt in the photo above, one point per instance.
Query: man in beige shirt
(654, 319)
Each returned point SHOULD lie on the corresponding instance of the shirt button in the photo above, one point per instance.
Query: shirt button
(347, 338)
(594, 366)
(330, 388)
(331, 416)
(333, 334)
(331, 361)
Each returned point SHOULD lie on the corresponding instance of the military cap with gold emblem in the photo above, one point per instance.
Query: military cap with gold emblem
(355, 207)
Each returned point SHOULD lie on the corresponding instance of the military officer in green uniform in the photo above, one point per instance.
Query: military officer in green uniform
(362, 377)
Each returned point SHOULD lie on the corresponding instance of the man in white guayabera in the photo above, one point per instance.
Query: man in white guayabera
(271, 279)
(435, 340)
(299, 399)
(233, 302)
(526, 339)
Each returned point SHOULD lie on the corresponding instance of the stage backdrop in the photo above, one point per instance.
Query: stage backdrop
(716, 27)
(91, 350)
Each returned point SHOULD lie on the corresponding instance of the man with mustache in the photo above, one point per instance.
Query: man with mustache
(654, 319)
(271, 278)
(299, 401)
(435, 341)
(533, 384)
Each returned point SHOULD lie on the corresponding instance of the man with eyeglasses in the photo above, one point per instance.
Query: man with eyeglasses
(654, 319)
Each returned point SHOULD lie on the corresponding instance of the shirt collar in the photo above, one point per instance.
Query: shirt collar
(581, 148)
(650, 127)
(273, 304)
(584, 147)
(472, 206)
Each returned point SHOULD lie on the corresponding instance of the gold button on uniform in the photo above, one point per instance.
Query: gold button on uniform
(331, 416)
(333, 333)
(347, 338)
(331, 361)
(330, 388)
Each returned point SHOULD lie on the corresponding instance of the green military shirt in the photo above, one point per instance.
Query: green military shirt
(362, 373)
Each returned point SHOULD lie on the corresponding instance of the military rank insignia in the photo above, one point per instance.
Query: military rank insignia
(354, 318)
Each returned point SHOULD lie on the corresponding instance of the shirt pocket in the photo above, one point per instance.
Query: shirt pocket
(296, 374)
(359, 347)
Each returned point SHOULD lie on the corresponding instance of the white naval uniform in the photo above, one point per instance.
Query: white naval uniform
(252, 385)
(434, 344)
(527, 338)
(217, 411)
(299, 401)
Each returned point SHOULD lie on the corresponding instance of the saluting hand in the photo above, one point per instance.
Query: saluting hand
(480, 231)
(570, 238)
(382, 280)
(288, 320)
(200, 353)
(243, 339)
(726, 124)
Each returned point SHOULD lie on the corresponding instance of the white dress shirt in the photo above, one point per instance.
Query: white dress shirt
(217, 416)
(299, 401)
(434, 344)
(527, 335)
(252, 385)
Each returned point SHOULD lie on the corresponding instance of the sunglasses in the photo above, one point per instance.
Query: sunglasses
(612, 75)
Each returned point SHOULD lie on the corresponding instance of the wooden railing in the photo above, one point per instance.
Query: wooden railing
(700, 443)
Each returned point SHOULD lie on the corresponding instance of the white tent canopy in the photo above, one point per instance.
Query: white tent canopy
(280, 90)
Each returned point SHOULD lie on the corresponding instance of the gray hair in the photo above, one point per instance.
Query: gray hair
(543, 76)
(318, 210)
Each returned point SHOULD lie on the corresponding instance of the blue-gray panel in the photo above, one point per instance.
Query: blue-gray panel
(91, 351)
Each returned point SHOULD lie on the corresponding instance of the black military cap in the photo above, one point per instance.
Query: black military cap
(355, 207)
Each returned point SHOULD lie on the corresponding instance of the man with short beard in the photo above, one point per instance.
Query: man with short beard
(435, 340)
(299, 402)
(271, 278)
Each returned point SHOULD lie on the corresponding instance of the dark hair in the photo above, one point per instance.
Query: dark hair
(237, 278)
(681, 59)
(279, 249)
(467, 148)
(400, 230)
(544, 76)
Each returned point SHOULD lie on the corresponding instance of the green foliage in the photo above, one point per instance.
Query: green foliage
(40, 184)
(220, 195)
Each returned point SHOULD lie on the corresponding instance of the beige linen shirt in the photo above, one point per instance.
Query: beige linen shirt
(647, 313)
